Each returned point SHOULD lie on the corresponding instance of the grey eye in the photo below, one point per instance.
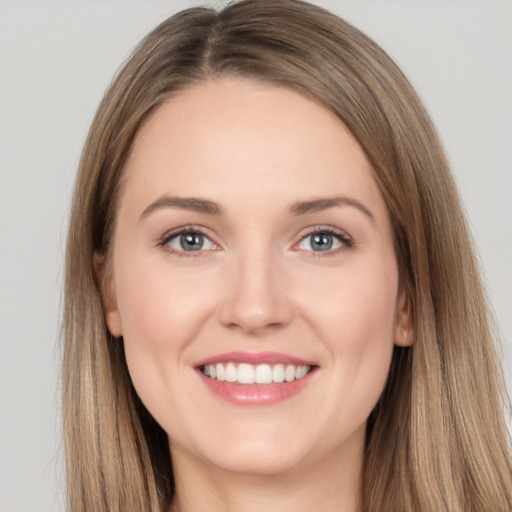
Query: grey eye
(320, 242)
(190, 242)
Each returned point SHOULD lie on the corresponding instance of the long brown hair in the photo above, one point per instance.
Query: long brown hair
(437, 439)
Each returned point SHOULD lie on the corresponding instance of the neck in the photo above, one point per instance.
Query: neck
(332, 484)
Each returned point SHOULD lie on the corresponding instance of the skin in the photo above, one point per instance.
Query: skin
(257, 285)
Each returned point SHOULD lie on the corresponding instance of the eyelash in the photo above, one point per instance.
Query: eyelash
(185, 230)
(345, 240)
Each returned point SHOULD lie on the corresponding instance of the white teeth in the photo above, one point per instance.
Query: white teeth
(245, 374)
(278, 373)
(231, 373)
(221, 373)
(289, 373)
(263, 374)
(260, 374)
(300, 372)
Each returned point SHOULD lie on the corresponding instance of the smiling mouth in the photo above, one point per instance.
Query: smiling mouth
(244, 373)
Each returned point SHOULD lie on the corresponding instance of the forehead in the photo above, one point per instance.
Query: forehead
(232, 138)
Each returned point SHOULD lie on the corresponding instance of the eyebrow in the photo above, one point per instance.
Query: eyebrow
(192, 204)
(195, 204)
(324, 203)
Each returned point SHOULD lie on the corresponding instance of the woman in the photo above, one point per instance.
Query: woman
(271, 296)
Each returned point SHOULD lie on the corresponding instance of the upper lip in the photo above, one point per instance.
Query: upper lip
(254, 358)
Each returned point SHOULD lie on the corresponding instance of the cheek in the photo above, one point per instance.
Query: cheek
(161, 313)
(356, 321)
(160, 308)
(355, 307)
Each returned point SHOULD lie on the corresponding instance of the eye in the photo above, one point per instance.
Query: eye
(188, 241)
(324, 240)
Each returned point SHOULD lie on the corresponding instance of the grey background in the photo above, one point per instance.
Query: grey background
(56, 59)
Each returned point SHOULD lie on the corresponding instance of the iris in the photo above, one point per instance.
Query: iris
(321, 241)
(191, 241)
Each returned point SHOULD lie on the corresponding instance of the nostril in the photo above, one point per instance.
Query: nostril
(254, 301)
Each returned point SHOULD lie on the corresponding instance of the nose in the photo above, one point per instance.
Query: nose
(255, 301)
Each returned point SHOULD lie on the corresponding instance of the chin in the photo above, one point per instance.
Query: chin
(256, 463)
(252, 456)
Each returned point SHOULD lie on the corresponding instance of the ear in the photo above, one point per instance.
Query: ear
(404, 332)
(108, 294)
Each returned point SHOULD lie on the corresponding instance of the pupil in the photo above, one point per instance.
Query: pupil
(321, 242)
(191, 241)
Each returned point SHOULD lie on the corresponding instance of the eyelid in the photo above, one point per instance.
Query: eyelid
(164, 240)
(346, 240)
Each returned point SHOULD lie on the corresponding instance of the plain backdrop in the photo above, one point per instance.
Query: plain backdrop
(56, 59)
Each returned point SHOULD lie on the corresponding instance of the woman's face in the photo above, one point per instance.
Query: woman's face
(253, 279)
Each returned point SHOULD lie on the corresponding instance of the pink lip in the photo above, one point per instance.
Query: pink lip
(254, 358)
(254, 394)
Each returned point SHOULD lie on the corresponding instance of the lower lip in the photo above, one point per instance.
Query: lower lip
(255, 394)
